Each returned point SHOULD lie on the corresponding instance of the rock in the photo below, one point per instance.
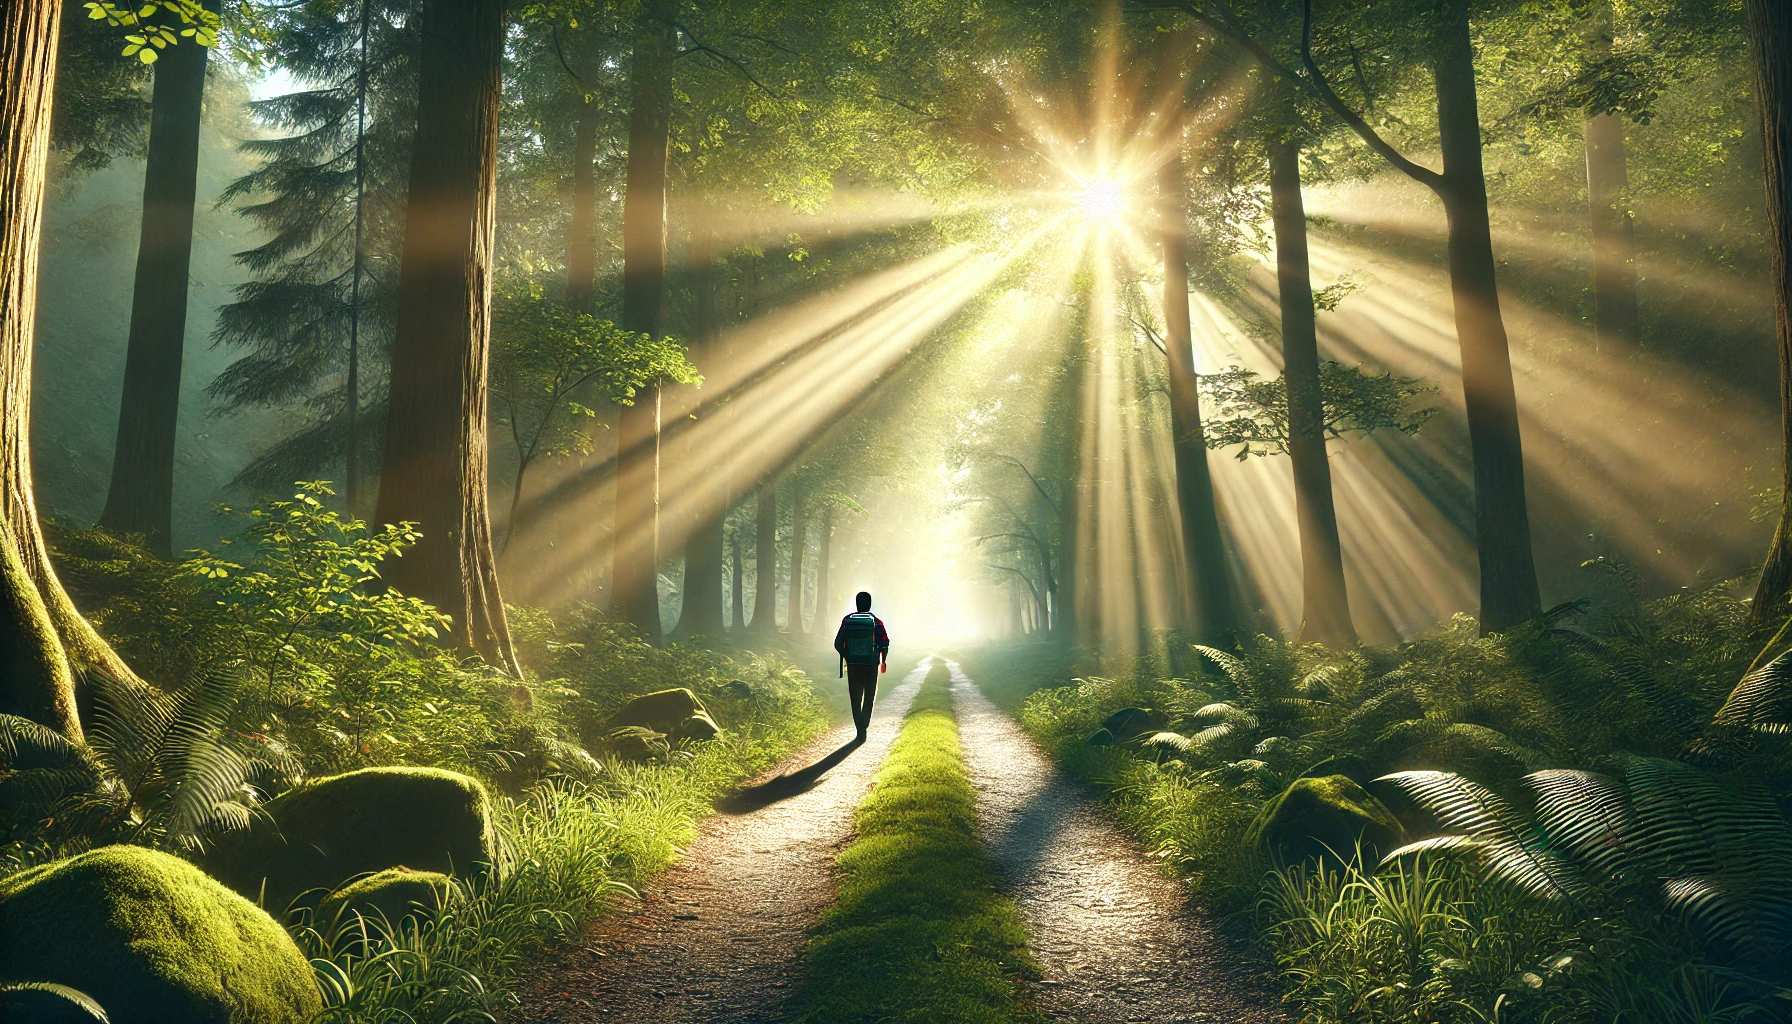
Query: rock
(315, 838)
(152, 940)
(1323, 819)
(697, 727)
(1127, 723)
(44, 1003)
(392, 894)
(738, 690)
(1099, 738)
(662, 711)
(636, 743)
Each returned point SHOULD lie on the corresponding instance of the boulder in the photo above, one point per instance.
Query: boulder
(392, 894)
(152, 940)
(1324, 818)
(636, 743)
(1128, 723)
(697, 727)
(737, 689)
(315, 838)
(1099, 738)
(662, 711)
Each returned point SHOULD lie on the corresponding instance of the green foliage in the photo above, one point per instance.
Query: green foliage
(157, 24)
(1253, 412)
(920, 930)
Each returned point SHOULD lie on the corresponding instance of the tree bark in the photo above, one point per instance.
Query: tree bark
(793, 613)
(1770, 36)
(702, 611)
(1325, 613)
(634, 579)
(737, 612)
(765, 561)
(141, 497)
(581, 230)
(46, 647)
(1216, 619)
(824, 556)
(1614, 232)
(1509, 594)
(435, 471)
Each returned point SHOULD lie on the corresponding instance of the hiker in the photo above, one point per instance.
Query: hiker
(864, 652)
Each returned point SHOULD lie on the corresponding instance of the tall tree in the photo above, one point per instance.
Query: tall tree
(793, 613)
(1770, 34)
(824, 557)
(435, 464)
(141, 498)
(737, 609)
(765, 559)
(1614, 231)
(702, 611)
(1217, 618)
(1509, 591)
(1325, 614)
(46, 646)
(634, 578)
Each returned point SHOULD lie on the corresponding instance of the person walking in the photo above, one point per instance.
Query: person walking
(864, 649)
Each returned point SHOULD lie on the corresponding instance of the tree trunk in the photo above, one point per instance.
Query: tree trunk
(1614, 233)
(141, 498)
(45, 645)
(1216, 619)
(1770, 35)
(1502, 524)
(435, 461)
(581, 230)
(702, 611)
(737, 612)
(634, 579)
(793, 614)
(824, 556)
(765, 561)
(1325, 615)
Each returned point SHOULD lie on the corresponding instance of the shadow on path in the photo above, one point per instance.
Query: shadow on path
(784, 786)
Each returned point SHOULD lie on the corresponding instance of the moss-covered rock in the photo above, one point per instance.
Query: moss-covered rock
(1324, 818)
(317, 837)
(152, 940)
(1099, 738)
(697, 727)
(392, 894)
(662, 711)
(1129, 723)
(636, 743)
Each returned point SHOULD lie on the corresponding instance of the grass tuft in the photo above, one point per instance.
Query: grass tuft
(920, 932)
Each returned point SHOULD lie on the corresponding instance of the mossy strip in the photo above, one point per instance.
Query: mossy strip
(919, 932)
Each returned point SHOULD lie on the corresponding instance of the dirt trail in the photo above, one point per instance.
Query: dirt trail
(719, 937)
(1116, 941)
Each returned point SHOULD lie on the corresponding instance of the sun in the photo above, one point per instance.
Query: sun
(1101, 200)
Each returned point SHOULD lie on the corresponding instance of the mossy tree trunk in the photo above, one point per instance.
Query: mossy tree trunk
(765, 560)
(1770, 34)
(737, 609)
(46, 647)
(435, 466)
(141, 497)
(634, 578)
(824, 556)
(581, 227)
(1216, 619)
(1325, 611)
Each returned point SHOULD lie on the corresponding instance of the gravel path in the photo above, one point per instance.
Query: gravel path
(720, 936)
(1116, 940)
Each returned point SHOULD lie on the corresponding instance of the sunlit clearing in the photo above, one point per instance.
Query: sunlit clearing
(1102, 200)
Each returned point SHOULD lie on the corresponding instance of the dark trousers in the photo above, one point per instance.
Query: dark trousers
(861, 693)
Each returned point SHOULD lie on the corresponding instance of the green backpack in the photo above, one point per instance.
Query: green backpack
(858, 638)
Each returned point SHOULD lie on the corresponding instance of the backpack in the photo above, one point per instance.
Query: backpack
(858, 638)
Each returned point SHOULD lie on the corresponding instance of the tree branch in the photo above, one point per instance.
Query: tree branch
(698, 46)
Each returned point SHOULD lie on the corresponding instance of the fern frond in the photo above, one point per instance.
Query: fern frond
(1763, 699)
(1511, 851)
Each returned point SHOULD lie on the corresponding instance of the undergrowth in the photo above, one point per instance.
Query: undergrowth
(920, 932)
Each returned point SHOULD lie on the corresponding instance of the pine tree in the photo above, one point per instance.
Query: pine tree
(303, 317)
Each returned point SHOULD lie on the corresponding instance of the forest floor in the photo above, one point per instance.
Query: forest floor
(721, 936)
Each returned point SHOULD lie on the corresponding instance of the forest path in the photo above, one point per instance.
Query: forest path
(720, 936)
(1115, 939)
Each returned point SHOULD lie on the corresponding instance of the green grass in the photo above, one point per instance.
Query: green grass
(920, 932)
